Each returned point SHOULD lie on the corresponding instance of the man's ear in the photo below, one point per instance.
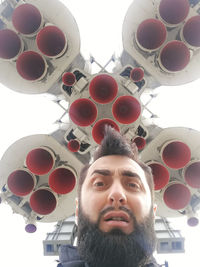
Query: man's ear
(154, 209)
(76, 211)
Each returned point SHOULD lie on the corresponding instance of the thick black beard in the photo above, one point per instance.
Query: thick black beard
(116, 248)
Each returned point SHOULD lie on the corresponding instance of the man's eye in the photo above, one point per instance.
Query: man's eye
(134, 185)
(99, 184)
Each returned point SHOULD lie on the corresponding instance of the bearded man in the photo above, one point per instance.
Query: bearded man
(115, 209)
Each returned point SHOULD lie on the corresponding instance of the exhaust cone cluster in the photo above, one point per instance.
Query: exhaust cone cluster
(31, 66)
(26, 19)
(69, 78)
(160, 175)
(177, 196)
(151, 34)
(98, 129)
(21, 182)
(62, 180)
(140, 142)
(39, 161)
(192, 174)
(191, 31)
(10, 44)
(51, 41)
(174, 11)
(175, 56)
(176, 154)
(103, 88)
(83, 112)
(126, 109)
(43, 201)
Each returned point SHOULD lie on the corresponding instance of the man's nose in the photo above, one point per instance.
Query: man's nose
(117, 195)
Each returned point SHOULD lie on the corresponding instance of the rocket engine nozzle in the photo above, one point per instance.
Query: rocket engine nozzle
(126, 109)
(26, 19)
(177, 196)
(31, 66)
(174, 11)
(21, 182)
(191, 33)
(10, 44)
(103, 88)
(176, 154)
(83, 112)
(69, 78)
(151, 34)
(73, 145)
(175, 56)
(98, 129)
(160, 175)
(39, 161)
(62, 180)
(51, 41)
(140, 142)
(43, 201)
(192, 174)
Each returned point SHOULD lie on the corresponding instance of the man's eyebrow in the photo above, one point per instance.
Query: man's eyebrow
(130, 174)
(106, 172)
(103, 172)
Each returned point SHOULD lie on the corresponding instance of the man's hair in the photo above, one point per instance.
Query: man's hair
(114, 143)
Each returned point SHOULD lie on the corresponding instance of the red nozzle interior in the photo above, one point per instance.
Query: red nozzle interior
(193, 221)
(176, 155)
(43, 201)
(69, 78)
(175, 56)
(192, 175)
(73, 145)
(62, 180)
(39, 161)
(140, 142)
(174, 11)
(151, 34)
(30, 65)
(20, 182)
(191, 31)
(99, 127)
(26, 19)
(51, 41)
(160, 175)
(10, 44)
(126, 109)
(177, 196)
(83, 112)
(136, 74)
(103, 88)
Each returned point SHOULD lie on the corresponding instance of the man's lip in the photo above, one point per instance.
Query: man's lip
(120, 214)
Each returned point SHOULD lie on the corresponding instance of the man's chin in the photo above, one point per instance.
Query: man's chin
(115, 248)
(116, 231)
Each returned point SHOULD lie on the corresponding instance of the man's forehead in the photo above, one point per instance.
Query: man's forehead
(113, 162)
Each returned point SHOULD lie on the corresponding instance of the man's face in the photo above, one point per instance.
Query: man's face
(115, 215)
(115, 185)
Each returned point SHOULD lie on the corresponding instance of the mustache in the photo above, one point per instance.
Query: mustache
(110, 208)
